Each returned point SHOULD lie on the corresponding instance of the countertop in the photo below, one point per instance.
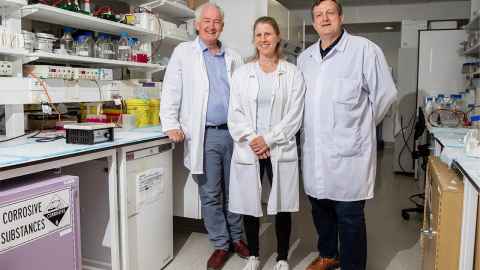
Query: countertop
(453, 152)
(26, 150)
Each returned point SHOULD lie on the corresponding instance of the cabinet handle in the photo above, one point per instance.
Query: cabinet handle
(428, 233)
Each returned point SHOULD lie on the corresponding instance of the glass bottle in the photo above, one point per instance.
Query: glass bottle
(66, 42)
(81, 46)
(124, 49)
(91, 44)
(104, 47)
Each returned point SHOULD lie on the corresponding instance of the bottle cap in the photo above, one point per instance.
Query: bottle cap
(475, 118)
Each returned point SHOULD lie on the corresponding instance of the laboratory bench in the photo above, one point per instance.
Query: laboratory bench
(448, 146)
(121, 183)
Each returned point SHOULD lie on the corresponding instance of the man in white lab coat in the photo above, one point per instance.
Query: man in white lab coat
(349, 91)
(194, 108)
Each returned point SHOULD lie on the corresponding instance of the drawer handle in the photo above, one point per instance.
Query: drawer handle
(429, 233)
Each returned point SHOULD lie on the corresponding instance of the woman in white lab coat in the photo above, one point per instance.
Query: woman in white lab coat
(265, 113)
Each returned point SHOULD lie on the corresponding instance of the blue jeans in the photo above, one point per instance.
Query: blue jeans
(223, 227)
(344, 221)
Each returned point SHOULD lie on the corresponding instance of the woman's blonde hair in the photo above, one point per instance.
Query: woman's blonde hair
(273, 23)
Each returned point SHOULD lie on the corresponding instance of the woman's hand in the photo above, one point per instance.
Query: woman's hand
(264, 155)
(260, 147)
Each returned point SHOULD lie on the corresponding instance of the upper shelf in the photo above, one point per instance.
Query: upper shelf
(45, 13)
(170, 10)
(13, 52)
(93, 61)
(12, 3)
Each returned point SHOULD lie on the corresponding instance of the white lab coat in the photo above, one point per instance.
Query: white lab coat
(185, 97)
(348, 94)
(285, 120)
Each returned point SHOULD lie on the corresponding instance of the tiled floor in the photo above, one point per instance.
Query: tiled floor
(392, 242)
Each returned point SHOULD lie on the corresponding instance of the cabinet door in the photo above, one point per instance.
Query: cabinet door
(430, 222)
(477, 243)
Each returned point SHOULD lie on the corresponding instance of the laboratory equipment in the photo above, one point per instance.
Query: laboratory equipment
(154, 111)
(124, 49)
(139, 107)
(429, 106)
(29, 40)
(85, 8)
(82, 46)
(89, 133)
(472, 138)
(66, 42)
(104, 48)
(147, 20)
(45, 42)
(40, 228)
(139, 51)
(149, 208)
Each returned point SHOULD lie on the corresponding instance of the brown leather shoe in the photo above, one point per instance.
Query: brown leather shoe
(241, 249)
(217, 260)
(324, 264)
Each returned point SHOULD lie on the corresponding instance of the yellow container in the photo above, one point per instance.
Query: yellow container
(154, 111)
(139, 108)
(89, 108)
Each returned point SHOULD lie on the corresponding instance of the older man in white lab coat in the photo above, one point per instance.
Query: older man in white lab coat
(349, 90)
(194, 108)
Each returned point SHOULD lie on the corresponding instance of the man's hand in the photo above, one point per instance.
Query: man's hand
(260, 147)
(176, 135)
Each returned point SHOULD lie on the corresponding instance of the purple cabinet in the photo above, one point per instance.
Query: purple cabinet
(39, 223)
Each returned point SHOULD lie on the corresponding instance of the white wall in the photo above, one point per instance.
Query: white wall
(239, 19)
(281, 15)
(397, 13)
(390, 44)
(475, 6)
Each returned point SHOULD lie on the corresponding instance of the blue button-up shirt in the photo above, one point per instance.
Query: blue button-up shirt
(219, 88)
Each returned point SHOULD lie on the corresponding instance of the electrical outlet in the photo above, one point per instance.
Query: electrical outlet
(6, 68)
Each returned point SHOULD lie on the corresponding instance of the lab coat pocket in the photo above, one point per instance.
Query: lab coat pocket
(346, 91)
(243, 154)
(346, 141)
(288, 186)
(288, 151)
(245, 190)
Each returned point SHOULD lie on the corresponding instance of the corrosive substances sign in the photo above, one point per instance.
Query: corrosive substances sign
(25, 221)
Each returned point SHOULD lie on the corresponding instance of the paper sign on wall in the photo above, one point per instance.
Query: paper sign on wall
(28, 220)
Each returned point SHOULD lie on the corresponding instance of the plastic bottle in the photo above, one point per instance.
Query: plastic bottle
(440, 102)
(124, 49)
(66, 42)
(429, 106)
(86, 7)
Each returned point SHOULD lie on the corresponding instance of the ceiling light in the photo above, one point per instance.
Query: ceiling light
(388, 28)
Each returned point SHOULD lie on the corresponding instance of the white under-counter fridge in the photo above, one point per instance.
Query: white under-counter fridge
(146, 205)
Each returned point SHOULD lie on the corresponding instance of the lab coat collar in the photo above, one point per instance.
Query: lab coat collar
(201, 47)
(341, 45)
(281, 69)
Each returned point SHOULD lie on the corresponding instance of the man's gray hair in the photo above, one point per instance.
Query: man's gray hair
(199, 10)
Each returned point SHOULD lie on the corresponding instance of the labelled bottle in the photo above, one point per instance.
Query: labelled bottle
(66, 42)
(124, 50)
